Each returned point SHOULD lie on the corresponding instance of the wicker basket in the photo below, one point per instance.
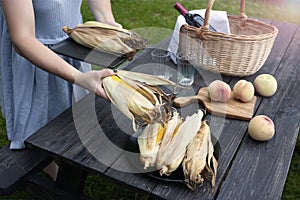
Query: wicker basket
(241, 53)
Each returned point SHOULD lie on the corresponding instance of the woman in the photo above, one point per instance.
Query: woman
(36, 84)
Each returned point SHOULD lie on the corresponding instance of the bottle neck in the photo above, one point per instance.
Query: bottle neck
(180, 8)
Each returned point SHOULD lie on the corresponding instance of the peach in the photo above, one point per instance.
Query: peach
(219, 91)
(265, 85)
(243, 90)
(261, 128)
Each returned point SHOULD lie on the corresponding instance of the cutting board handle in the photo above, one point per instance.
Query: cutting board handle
(184, 101)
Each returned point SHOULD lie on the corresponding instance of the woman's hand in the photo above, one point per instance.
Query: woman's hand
(92, 80)
(114, 23)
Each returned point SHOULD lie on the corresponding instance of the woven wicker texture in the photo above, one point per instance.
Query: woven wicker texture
(241, 53)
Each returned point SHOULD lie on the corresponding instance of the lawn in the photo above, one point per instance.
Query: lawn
(160, 13)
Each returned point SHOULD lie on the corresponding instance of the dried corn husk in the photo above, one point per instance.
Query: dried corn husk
(198, 159)
(137, 100)
(144, 78)
(171, 130)
(172, 151)
(149, 142)
(106, 38)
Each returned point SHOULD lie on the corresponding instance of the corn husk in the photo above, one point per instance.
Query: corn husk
(170, 132)
(173, 149)
(149, 142)
(198, 159)
(107, 38)
(144, 78)
(131, 94)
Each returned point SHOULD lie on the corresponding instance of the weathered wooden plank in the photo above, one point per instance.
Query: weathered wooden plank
(264, 162)
(55, 136)
(97, 151)
(47, 139)
(89, 139)
(124, 172)
(17, 165)
(101, 139)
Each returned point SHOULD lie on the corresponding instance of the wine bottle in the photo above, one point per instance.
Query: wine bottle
(191, 19)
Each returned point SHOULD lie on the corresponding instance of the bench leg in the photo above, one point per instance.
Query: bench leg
(71, 178)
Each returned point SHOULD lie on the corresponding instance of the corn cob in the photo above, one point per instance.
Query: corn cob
(135, 41)
(170, 132)
(106, 38)
(149, 142)
(136, 99)
(103, 25)
(198, 158)
(173, 151)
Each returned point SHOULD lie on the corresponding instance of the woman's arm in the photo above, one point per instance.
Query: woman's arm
(102, 12)
(19, 16)
(20, 21)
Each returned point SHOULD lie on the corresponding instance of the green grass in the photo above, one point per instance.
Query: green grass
(3, 137)
(134, 14)
(157, 13)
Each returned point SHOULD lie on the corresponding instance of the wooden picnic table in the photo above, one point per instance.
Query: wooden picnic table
(92, 136)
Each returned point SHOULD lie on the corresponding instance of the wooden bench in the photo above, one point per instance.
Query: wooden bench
(17, 165)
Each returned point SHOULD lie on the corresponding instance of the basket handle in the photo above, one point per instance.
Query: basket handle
(209, 7)
(242, 9)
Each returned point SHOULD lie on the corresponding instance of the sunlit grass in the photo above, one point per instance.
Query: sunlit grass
(157, 13)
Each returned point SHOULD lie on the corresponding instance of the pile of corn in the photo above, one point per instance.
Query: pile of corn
(107, 38)
(168, 140)
(180, 142)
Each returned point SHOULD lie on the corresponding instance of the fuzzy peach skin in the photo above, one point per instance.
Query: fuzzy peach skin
(243, 90)
(265, 85)
(261, 128)
(219, 91)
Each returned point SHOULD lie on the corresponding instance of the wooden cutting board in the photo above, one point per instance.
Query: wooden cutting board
(233, 108)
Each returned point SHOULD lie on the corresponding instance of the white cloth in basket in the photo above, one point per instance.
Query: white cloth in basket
(217, 19)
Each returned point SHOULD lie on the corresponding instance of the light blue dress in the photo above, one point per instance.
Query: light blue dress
(29, 96)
